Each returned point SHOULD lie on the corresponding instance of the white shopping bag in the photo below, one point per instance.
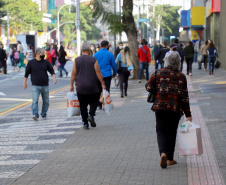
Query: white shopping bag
(190, 143)
(107, 102)
(73, 105)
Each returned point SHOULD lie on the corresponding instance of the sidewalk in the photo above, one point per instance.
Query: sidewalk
(122, 149)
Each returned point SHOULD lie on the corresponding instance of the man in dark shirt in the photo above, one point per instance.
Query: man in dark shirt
(118, 49)
(3, 59)
(161, 54)
(38, 69)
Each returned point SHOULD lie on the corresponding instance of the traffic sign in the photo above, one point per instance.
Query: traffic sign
(139, 32)
(46, 20)
(47, 15)
(143, 20)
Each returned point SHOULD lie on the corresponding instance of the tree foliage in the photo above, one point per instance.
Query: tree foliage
(25, 16)
(88, 29)
(2, 11)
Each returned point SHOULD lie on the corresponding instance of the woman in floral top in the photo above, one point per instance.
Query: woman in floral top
(171, 102)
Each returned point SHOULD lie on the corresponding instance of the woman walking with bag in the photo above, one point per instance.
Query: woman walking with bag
(62, 61)
(125, 67)
(171, 102)
(205, 54)
(212, 55)
(53, 54)
(189, 57)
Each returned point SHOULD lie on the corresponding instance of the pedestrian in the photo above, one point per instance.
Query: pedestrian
(118, 49)
(212, 55)
(171, 102)
(62, 60)
(205, 54)
(20, 50)
(144, 57)
(154, 51)
(189, 55)
(161, 54)
(98, 48)
(30, 53)
(197, 50)
(39, 68)
(53, 54)
(86, 75)
(126, 68)
(3, 59)
(93, 50)
(180, 50)
(107, 65)
(13, 63)
(48, 56)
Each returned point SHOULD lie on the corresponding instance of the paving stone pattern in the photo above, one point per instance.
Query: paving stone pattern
(24, 142)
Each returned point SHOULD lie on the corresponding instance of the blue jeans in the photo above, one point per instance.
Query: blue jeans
(157, 65)
(62, 68)
(36, 91)
(144, 65)
(211, 61)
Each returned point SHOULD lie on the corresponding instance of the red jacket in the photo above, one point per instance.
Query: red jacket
(142, 55)
(48, 57)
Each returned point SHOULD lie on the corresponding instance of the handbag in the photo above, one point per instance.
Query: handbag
(119, 67)
(200, 57)
(217, 65)
(151, 95)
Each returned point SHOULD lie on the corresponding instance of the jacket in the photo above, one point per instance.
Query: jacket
(212, 52)
(53, 53)
(171, 91)
(161, 54)
(155, 50)
(2, 54)
(142, 56)
(48, 57)
(203, 49)
(106, 62)
(198, 46)
(189, 51)
(62, 56)
(127, 63)
(117, 51)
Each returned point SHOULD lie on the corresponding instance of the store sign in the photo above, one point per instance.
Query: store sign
(198, 16)
(185, 18)
(212, 6)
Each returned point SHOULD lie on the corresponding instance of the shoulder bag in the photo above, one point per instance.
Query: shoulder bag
(145, 52)
(151, 95)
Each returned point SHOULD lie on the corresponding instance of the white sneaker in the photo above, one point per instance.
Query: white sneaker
(34, 118)
(139, 81)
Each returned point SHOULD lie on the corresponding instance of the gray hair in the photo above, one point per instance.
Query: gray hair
(85, 47)
(172, 61)
(39, 50)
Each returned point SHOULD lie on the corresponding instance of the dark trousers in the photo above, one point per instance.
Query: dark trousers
(85, 100)
(123, 78)
(166, 129)
(182, 62)
(211, 61)
(189, 62)
(3, 64)
(205, 60)
(62, 68)
(54, 61)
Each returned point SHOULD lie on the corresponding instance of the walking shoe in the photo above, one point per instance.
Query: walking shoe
(86, 127)
(66, 73)
(171, 162)
(34, 118)
(210, 73)
(122, 94)
(139, 81)
(60, 76)
(92, 121)
(163, 160)
(190, 74)
(44, 117)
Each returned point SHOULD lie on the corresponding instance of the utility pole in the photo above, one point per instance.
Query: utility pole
(78, 28)
(120, 35)
(8, 26)
(147, 22)
(114, 34)
(143, 18)
(153, 23)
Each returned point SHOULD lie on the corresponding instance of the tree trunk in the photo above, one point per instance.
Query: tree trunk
(131, 32)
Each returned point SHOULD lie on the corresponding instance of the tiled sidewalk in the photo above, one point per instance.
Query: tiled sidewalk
(123, 149)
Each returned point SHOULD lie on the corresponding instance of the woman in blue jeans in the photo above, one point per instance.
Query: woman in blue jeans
(212, 55)
(62, 61)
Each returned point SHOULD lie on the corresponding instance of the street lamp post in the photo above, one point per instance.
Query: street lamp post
(78, 28)
(8, 26)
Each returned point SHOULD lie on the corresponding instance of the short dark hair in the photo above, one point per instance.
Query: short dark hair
(144, 42)
(104, 43)
(206, 42)
(120, 43)
(176, 41)
(165, 43)
(190, 43)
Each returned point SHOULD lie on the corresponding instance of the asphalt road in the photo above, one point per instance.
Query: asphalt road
(12, 92)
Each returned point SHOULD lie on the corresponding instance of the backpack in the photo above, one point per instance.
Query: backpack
(180, 51)
(16, 55)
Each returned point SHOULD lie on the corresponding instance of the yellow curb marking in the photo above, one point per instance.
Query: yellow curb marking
(220, 82)
(24, 104)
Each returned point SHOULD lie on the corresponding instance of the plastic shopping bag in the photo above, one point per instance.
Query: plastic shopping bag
(107, 102)
(58, 63)
(185, 127)
(73, 105)
(190, 143)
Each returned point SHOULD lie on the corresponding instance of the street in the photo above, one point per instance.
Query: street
(12, 92)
